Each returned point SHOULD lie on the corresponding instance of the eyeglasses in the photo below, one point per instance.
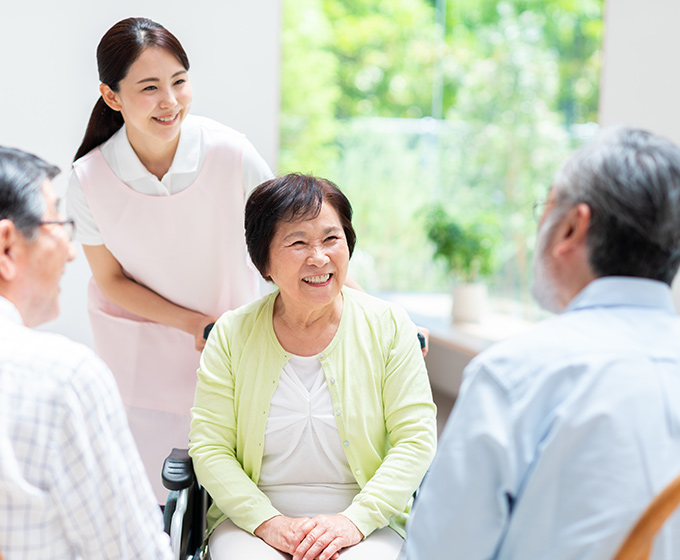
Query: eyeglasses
(68, 225)
(537, 208)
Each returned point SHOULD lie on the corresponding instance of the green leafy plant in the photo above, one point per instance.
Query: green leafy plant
(465, 247)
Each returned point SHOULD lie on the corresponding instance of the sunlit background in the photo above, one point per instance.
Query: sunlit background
(406, 103)
(472, 103)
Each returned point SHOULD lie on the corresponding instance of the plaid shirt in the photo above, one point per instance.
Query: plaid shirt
(72, 484)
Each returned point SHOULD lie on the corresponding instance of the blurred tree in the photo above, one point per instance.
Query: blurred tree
(385, 52)
(571, 28)
(309, 74)
(510, 138)
(360, 75)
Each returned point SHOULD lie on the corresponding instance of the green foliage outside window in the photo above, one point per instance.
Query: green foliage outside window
(466, 249)
(514, 82)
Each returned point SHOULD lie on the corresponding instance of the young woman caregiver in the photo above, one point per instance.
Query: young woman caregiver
(158, 196)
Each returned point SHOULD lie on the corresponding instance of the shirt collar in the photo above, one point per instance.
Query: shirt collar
(624, 291)
(186, 160)
(9, 311)
(188, 155)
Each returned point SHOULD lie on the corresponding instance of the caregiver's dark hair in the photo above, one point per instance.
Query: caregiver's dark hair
(117, 51)
(21, 197)
(286, 199)
(630, 179)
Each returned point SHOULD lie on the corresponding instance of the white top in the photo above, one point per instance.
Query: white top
(561, 437)
(72, 485)
(304, 468)
(187, 164)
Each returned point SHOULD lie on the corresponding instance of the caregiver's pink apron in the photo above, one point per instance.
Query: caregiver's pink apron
(189, 248)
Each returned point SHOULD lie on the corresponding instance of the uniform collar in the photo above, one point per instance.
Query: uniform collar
(624, 291)
(187, 157)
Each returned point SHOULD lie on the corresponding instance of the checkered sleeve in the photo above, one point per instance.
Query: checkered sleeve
(107, 504)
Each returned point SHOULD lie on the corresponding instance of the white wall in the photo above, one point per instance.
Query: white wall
(640, 82)
(48, 83)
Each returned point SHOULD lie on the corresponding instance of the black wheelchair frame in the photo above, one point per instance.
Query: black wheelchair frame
(186, 508)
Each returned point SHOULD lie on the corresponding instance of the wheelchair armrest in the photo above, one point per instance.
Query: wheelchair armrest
(178, 471)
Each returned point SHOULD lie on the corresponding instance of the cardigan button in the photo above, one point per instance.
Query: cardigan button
(332, 381)
(346, 444)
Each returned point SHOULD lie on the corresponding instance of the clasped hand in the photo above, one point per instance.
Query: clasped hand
(317, 538)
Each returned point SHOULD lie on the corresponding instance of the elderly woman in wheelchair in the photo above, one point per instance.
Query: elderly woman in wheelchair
(313, 422)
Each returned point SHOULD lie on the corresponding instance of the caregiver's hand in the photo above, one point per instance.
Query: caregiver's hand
(284, 533)
(330, 534)
(197, 328)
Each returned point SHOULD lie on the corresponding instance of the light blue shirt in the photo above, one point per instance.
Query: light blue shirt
(561, 436)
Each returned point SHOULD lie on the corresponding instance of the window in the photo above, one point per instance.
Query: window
(407, 103)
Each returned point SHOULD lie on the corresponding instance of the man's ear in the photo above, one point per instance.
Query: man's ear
(9, 250)
(110, 97)
(572, 233)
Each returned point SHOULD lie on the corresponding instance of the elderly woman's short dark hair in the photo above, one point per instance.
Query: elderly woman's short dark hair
(290, 198)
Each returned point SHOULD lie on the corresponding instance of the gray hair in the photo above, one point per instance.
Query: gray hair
(630, 179)
(21, 198)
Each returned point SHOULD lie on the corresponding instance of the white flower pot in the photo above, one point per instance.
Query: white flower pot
(469, 302)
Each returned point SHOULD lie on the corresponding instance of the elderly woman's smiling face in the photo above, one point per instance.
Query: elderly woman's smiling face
(308, 258)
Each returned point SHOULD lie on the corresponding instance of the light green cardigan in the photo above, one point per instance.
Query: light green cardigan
(380, 390)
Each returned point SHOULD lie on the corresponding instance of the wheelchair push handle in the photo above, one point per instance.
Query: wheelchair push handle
(207, 329)
(178, 471)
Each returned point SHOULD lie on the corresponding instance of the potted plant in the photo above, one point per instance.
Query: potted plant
(467, 249)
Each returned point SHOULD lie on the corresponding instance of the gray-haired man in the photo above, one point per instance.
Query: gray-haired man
(71, 481)
(562, 436)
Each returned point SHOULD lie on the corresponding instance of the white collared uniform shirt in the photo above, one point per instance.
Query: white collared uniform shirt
(186, 166)
(72, 485)
(561, 436)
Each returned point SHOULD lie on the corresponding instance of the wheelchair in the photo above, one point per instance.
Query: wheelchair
(186, 508)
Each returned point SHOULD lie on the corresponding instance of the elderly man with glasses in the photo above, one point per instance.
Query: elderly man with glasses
(561, 437)
(71, 481)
